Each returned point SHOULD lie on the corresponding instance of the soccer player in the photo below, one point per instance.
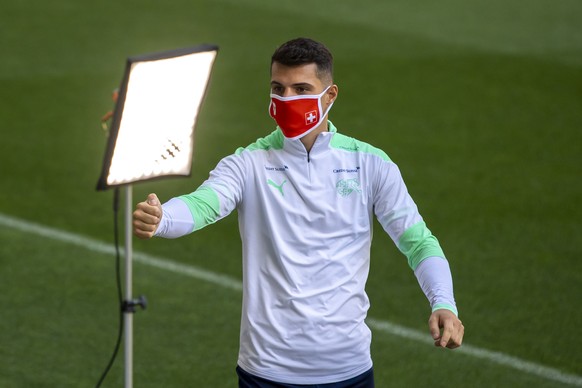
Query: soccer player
(306, 196)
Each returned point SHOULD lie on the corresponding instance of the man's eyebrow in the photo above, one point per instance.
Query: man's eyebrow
(305, 85)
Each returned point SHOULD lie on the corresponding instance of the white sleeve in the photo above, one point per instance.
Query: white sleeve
(216, 198)
(434, 277)
(176, 221)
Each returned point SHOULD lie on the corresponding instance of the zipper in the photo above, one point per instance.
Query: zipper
(308, 167)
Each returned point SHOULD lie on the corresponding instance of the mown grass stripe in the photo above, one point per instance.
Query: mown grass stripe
(495, 357)
(235, 284)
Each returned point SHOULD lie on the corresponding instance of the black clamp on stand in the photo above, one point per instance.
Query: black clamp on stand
(129, 306)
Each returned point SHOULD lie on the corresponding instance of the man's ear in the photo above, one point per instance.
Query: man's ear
(331, 93)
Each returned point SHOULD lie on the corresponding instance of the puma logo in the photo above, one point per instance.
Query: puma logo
(278, 187)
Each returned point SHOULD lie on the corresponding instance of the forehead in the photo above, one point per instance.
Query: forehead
(289, 75)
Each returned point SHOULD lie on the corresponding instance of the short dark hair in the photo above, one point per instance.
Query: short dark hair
(302, 51)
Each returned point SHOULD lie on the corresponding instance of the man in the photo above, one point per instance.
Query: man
(305, 196)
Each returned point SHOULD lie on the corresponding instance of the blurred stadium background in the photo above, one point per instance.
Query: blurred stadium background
(480, 104)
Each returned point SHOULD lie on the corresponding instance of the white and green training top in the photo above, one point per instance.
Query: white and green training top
(306, 227)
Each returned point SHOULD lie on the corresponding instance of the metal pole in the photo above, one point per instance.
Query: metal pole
(128, 316)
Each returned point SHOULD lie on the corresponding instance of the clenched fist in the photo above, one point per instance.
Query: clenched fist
(446, 329)
(147, 217)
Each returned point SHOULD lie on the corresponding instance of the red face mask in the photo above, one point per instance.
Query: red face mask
(297, 115)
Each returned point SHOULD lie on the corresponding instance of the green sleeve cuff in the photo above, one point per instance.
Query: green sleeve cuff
(445, 306)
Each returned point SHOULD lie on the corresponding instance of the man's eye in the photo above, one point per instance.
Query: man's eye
(276, 89)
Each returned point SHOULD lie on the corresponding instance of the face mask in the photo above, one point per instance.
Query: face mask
(297, 115)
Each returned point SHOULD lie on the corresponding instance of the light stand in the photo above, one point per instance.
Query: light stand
(152, 136)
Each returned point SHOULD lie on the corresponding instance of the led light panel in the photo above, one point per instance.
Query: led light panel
(152, 132)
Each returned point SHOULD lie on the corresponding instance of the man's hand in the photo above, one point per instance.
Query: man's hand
(147, 217)
(452, 329)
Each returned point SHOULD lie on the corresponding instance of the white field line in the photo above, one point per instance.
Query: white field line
(235, 284)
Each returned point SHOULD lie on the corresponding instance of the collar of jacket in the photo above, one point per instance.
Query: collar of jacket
(320, 146)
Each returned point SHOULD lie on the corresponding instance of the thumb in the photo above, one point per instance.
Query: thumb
(153, 200)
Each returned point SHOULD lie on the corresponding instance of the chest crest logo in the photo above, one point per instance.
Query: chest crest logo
(345, 187)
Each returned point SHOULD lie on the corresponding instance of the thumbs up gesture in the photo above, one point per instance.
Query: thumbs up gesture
(147, 217)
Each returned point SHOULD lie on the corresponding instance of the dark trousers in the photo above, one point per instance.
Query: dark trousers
(247, 380)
